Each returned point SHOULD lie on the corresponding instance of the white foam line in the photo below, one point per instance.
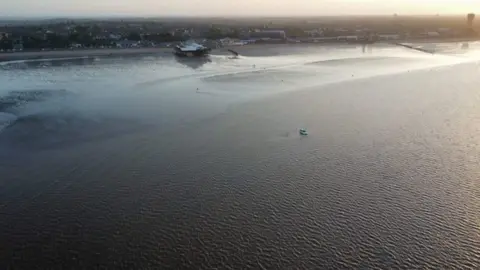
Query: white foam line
(42, 60)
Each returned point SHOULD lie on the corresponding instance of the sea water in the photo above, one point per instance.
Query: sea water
(166, 163)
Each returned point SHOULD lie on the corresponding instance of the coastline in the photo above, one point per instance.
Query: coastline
(248, 49)
(58, 54)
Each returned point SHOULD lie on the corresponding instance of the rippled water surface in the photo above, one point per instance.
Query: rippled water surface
(162, 163)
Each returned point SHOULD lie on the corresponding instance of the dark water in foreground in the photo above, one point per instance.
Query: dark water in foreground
(130, 167)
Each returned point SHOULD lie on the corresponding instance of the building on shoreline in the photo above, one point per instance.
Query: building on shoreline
(127, 44)
(68, 34)
(268, 35)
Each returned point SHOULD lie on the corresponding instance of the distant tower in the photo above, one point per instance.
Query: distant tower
(470, 18)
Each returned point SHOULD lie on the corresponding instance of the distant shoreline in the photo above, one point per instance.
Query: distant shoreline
(80, 53)
(91, 53)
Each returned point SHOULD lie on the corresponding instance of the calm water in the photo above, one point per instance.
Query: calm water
(123, 163)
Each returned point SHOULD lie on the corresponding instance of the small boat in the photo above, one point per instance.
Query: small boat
(303, 132)
(191, 49)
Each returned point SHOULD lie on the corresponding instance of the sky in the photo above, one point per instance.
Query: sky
(233, 7)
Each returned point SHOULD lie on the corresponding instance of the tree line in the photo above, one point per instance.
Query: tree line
(85, 39)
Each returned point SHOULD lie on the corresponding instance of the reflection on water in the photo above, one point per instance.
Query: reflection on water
(123, 163)
(163, 89)
(193, 62)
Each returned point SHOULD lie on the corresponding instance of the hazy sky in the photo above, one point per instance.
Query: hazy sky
(233, 7)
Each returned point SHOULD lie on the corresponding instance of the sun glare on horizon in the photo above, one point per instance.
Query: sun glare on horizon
(237, 7)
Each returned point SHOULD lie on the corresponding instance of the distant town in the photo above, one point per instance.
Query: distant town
(71, 34)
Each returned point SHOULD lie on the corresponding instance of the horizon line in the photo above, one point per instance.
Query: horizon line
(30, 17)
